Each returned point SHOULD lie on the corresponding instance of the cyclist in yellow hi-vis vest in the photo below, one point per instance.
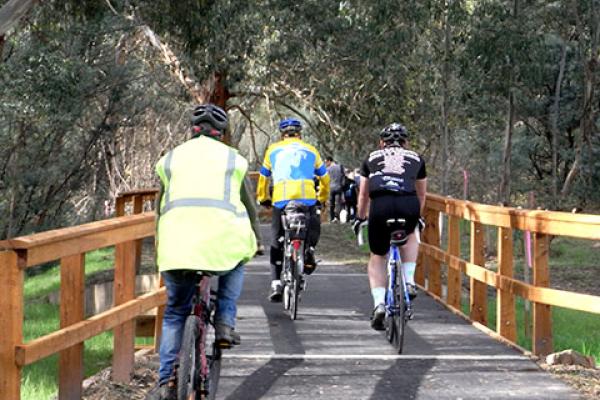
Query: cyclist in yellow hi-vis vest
(293, 165)
(203, 224)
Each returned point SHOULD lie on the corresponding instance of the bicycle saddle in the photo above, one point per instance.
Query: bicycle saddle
(398, 236)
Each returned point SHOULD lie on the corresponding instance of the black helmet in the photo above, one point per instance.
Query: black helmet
(214, 115)
(394, 133)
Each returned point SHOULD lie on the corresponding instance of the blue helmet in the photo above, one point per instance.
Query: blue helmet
(290, 126)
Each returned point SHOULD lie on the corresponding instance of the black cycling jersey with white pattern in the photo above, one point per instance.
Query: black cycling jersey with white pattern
(393, 169)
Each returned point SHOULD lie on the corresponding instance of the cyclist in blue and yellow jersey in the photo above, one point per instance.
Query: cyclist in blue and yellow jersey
(293, 166)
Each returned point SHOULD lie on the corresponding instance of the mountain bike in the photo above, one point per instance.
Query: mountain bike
(294, 219)
(398, 307)
(200, 356)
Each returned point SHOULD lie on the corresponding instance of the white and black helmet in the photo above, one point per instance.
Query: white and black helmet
(394, 133)
(214, 115)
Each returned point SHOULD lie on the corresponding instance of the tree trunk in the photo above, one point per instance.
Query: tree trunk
(555, 132)
(445, 79)
(12, 12)
(504, 191)
(590, 65)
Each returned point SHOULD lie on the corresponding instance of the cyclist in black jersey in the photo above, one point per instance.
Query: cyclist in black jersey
(393, 185)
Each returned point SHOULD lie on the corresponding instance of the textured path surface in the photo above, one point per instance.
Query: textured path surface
(330, 352)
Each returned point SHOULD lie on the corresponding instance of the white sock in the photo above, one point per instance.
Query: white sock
(378, 294)
(409, 272)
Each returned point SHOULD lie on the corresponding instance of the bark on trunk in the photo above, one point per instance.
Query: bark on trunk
(555, 132)
(504, 192)
(445, 79)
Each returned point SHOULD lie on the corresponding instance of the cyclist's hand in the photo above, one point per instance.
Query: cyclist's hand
(421, 224)
(356, 225)
(266, 203)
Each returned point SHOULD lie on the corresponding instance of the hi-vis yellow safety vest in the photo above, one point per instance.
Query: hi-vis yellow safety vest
(203, 224)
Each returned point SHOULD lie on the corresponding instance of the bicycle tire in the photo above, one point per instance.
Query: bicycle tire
(390, 328)
(294, 291)
(214, 371)
(399, 320)
(187, 382)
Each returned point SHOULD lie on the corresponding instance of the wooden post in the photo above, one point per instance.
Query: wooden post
(434, 281)
(72, 294)
(420, 271)
(478, 293)
(120, 206)
(454, 283)
(506, 324)
(138, 207)
(124, 290)
(11, 319)
(542, 313)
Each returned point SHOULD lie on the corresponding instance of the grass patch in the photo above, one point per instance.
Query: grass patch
(571, 329)
(49, 281)
(40, 379)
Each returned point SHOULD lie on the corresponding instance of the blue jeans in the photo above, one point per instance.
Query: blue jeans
(181, 287)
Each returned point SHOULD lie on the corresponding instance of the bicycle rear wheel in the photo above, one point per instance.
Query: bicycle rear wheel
(192, 385)
(189, 361)
(398, 317)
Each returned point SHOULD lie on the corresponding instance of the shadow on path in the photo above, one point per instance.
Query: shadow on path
(285, 340)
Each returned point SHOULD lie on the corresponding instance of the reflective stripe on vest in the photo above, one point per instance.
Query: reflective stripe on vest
(224, 204)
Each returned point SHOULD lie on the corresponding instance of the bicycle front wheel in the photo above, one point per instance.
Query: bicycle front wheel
(189, 361)
(211, 383)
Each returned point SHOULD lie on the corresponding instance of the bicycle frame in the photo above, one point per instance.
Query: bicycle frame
(395, 260)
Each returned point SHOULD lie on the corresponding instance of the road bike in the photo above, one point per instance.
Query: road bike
(294, 218)
(398, 306)
(200, 355)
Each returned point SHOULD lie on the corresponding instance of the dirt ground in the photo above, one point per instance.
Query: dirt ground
(338, 245)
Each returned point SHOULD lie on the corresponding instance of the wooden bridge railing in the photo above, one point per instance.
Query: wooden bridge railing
(541, 224)
(69, 245)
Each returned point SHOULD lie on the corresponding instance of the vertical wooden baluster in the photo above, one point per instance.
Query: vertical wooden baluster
(542, 313)
(434, 281)
(478, 294)
(120, 206)
(11, 320)
(454, 282)
(124, 289)
(72, 295)
(421, 271)
(506, 324)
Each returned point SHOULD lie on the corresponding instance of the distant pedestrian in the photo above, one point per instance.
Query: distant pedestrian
(336, 186)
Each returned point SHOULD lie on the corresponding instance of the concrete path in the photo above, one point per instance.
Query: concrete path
(330, 351)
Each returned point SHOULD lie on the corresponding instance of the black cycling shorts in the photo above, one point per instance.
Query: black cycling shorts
(385, 207)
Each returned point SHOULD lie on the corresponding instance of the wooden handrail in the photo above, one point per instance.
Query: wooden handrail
(49, 246)
(585, 226)
(542, 225)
